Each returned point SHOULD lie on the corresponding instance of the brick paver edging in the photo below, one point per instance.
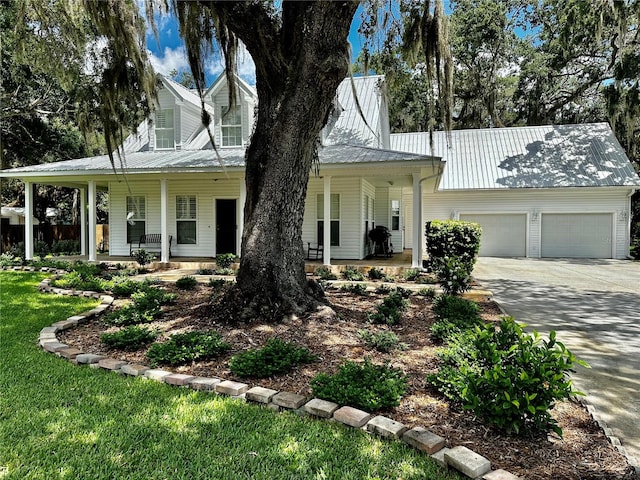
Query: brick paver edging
(460, 458)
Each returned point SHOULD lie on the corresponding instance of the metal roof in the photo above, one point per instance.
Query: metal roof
(350, 127)
(587, 155)
(204, 160)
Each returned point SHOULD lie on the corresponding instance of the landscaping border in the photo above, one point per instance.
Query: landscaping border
(462, 459)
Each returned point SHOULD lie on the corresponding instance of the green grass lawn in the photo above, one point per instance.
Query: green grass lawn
(60, 421)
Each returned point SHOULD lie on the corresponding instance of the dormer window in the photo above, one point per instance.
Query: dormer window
(164, 129)
(231, 126)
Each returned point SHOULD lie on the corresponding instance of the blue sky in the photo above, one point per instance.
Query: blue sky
(169, 53)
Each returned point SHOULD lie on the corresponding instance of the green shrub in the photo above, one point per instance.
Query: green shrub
(507, 377)
(428, 292)
(352, 274)
(454, 315)
(635, 249)
(187, 347)
(382, 341)
(452, 239)
(390, 310)
(383, 289)
(152, 298)
(130, 315)
(225, 260)
(376, 274)
(325, 273)
(366, 386)
(78, 281)
(186, 283)
(356, 288)
(129, 338)
(219, 283)
(276, 357)
(125, 287)
(205, 271)
(143, 257)
(453, 275)
(40, 248)
(9, 260)
(412, 275)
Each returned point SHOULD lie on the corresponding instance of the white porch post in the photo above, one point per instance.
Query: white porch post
(243, 199)
(28, 220)
(416, 254)
(83, 221)
(326, 221)
(93, 219)
(164, 231)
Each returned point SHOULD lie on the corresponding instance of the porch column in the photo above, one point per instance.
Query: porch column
(83, 221)
(93, 219)
(28, 220)
(416, 254)
(326, 221)
(164, 231)
(243, 200)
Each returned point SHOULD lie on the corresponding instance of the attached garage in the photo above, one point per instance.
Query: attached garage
(503, 235)
(577, 235)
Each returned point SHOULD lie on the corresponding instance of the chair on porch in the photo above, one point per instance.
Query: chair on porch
(315, 252)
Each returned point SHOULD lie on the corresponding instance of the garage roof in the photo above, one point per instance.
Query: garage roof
(549, 156)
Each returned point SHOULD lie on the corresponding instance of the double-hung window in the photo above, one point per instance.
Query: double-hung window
(186, 224)
(334, 218)
(231, 126)
(164, 129)
(136, 218)
(395, 214)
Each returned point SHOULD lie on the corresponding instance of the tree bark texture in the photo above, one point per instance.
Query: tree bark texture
(300, 61)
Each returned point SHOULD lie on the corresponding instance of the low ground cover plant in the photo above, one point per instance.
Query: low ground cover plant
(455, 314)
(375, 273)
(355, 288)
(352, 274)
(129, 338)
(145, 307)
(389, 312)
(362, 385)
(506, 376)
(275, 358)
(325, 273)
(187, 347)
(186, 283)
(383, 341)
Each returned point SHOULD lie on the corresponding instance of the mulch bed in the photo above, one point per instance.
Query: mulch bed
(582, 453)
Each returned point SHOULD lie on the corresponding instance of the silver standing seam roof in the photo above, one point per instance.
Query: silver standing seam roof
(549, 156)
(206, 160)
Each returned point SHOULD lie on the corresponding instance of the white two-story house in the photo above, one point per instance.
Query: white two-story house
(550, 191)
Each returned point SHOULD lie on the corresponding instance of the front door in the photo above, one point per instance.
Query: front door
(226, 227)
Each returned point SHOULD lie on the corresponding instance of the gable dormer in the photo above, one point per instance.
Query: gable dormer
(232, 126)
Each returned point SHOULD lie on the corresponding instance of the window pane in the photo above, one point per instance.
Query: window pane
(395, 207)
(231, 116)
(164, 118)
(335, 206)
(186, 207)
(164, 138)
(335, 233)
(186, 232)
(231, 136)
(135, 231)
(395, 223)
(135, 207)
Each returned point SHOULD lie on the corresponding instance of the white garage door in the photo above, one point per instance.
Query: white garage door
(577, 235)
(503, 235)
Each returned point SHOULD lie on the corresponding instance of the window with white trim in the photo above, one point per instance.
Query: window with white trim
(164, 129)
(136, 218)
(231, 126)
(334, 219)
(186, 224)
(395, 214)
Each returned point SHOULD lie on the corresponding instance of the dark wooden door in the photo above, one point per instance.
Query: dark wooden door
(226, 227)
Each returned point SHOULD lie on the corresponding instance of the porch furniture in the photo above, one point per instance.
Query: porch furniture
(314, 253)
(380, 236)
(150, 242)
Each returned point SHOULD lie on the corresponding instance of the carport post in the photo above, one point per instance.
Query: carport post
(416, 252)
(28, 220)
(326, 219)
(93, 219)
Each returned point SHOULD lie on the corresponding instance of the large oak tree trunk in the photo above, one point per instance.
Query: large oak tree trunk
(296, 77)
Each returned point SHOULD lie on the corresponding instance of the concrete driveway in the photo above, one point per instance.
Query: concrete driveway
(594, 306)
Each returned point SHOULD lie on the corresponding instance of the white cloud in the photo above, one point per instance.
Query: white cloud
(172, 59)
(246, 67)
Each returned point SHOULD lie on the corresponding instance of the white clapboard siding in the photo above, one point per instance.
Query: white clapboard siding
(190, 122)
(367, 201)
